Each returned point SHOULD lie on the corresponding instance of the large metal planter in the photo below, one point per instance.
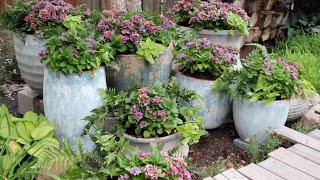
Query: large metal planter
(218, 104)
(135, 71)
(298, 107)
(70, 98)
(220, 37)
(170, 142)
(253, 120)
(29, 63)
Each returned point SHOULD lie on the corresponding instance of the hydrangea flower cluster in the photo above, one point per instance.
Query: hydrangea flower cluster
(51, 11)
(202, 56)
(289, 67)
(172, 167)
(131, 28)
(213, 15)
(149, 110)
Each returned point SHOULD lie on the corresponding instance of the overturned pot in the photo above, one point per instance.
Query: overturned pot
(298, 107)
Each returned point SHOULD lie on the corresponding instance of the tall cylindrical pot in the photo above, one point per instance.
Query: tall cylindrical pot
(70, 98)
(222, 37)
(136, 71)
(170, 142)
(29, 62)
(217, 105)
(253, 120)
(298, 107)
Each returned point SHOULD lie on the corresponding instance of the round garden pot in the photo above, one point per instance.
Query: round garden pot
(298, 107)
(68, 99)
(253, 120)
(220, 37)
(31, 68)
(170, 142)
(136, 71)
(218, 104)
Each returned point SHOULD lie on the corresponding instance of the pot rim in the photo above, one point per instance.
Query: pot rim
(190, 77)
(212, 32)
(149, 140)
(259, 101)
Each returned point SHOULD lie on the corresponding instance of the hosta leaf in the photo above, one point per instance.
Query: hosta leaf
(42, 131)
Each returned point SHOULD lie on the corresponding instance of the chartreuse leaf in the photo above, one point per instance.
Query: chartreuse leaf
(38, 147)
(41, 131)
(149, 50)
(31, 116)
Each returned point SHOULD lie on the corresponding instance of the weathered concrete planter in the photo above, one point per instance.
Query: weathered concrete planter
(255, 119)
(68, 99)
(298, 107)
(29, 63)
(133, 70)
(170, 142)
(218, 104)
(220, 37)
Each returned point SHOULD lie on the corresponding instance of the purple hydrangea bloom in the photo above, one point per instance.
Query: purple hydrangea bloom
(135, 171)
(180, 56)
(43, 52)
(269, 73)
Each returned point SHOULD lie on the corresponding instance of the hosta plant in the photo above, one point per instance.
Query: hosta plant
(262, 78)
(145, 34)
(201, 56)
(44, 17)
(152, 112)
(215, 16)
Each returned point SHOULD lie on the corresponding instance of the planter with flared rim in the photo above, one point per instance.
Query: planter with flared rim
(29, 62)
(218, 105)
(68, 99)
(254, 120)
(298, 107)
(220, 37)
(170, 142)
(136, 71)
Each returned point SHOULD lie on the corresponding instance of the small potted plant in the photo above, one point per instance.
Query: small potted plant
(72, 75)
(141, 41)
(32, 23)
(220, 22)
(261, 92)
(200, 63)
(152, 115)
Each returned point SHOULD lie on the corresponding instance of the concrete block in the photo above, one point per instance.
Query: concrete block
(240, 144)
(29, 100)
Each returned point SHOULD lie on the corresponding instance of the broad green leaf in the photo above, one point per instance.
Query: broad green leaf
(41, 131)
(31, 116)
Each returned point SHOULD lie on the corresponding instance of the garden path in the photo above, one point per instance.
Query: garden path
(301, 161)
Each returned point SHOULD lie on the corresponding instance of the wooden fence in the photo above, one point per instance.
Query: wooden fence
(158, 6)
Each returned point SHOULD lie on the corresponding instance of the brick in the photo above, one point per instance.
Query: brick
(28, 100)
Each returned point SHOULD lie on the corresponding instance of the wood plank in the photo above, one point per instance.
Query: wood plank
(306, 152)
(253, 171)
(283, 170)
(220, 177)
(297, 137)
(233, 174)
(296, 161)
(315, 134)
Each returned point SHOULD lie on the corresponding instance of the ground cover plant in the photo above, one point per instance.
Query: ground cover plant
(302, 48)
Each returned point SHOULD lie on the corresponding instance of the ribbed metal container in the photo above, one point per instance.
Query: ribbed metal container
(298, 107)
(29, 63)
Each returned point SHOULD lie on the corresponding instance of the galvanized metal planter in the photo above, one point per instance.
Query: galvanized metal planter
(29, 63)
(135, 71)
(170, 142)
(253, 120)
(220, 37)
(70, 98)
(218, 104)
(298, 107)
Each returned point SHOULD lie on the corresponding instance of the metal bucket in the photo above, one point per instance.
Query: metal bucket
(70, 98)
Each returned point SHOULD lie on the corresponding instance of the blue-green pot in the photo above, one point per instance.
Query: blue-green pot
(254, 120)
(70, 98)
